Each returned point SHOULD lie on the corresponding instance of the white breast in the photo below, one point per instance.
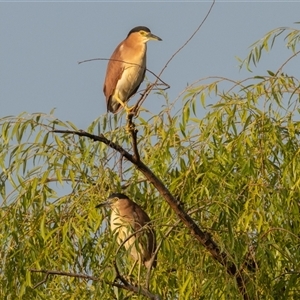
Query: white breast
(123, 230)
(132, 75)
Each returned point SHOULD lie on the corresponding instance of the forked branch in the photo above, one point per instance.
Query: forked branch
(203, 237)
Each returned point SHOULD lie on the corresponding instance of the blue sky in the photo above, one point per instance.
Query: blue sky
(42, 42)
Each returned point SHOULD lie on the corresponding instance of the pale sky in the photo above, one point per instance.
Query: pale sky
(42, 42)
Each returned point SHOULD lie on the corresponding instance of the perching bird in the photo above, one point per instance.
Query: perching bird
(127, 217)
(126, 68)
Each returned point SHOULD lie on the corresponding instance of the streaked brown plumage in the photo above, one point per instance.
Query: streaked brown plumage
(126, 68)
(128, 217)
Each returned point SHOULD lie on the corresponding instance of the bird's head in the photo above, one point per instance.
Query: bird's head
(142, 34)
(113, 200)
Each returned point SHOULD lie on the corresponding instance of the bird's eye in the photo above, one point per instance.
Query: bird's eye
(143, 32)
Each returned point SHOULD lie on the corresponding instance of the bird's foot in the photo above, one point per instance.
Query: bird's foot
(130, 111)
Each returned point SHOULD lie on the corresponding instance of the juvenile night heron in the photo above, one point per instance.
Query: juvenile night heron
(126, 68)
(127, 217)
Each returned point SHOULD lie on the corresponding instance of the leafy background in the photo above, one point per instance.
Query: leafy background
(235, 171)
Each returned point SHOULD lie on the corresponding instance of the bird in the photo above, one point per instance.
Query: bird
(126, 69)
(132, 226)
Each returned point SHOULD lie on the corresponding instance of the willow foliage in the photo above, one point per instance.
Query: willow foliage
(236, 171)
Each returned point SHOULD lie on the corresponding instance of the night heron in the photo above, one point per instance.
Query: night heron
(129, 222)
(126, 68)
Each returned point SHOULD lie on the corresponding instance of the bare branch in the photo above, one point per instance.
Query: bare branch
(133, 131)
(143, 97)
(119, 276)
(119, 60)
(61, 273)
(128, 183)
(125, 285)
(54, 179)
(191, 37)
(203, 237)
(138, 290)
(281, 67)
(151, 86)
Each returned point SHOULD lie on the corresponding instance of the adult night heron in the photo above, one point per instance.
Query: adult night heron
(130, 222)
(126, 68)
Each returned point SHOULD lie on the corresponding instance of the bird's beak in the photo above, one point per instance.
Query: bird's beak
(154, 37)
(105, 203)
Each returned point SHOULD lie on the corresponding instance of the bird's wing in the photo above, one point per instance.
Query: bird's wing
(140, 218)
(147, 234)
(114, 72)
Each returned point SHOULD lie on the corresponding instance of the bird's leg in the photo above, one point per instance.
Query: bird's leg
(128, 109)
(132, 268)
(130, 125)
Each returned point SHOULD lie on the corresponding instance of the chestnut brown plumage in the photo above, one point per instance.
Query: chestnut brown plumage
(126, 68)
(129, 219)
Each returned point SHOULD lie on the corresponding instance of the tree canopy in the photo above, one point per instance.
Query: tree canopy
(222, 192)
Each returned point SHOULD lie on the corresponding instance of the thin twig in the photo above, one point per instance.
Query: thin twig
(128, 183)
(281, 67)
(61, 273)
(54, 179)
(125, 285)
(138, 290)
(144, 228)
(130, 63)
(154, 255)
(143, 97)
(119, 276)
(151, 86)
(194, 33)
(120, 164)
(146, 93)
(155, 83)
